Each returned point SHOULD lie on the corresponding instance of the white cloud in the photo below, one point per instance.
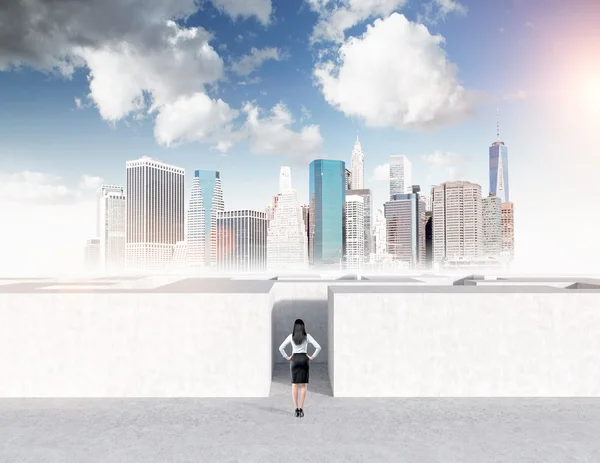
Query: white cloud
(442, 159)
(395, 75)
(90, 182)
(247, 64)
(251, 81)
(306, 114)
(261, 9)
(139, 63)
(519, 95)
(41, 188)
(337, 16)
(438, 10)
(381, 173)
(124, 76)
(192, 118)
(445, 166)
(273, 134)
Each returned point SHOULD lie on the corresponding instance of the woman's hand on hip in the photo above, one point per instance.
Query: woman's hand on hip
(288, 358)
(309, 357)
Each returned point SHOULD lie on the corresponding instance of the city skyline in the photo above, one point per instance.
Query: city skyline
(64, 137)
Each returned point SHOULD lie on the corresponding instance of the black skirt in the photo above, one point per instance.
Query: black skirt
(299, 369)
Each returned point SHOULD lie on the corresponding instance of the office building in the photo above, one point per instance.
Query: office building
(180, 255)
(508, 231)
(379, 233)
(405, 228)
(212, 200)
(457, 221)
(306, 218)
(348, 179)
(327, 193)
(111, 226)
(241, 241)
(498, 155)
(92, 254)
(368, 211)
(196, 232)
(427, 200)
(400, 175)
(155, 212)
(287, 241)
(357, 181)
(270, 210)
(428, 239)
(491, 209)
(355, 232)
(285, 179)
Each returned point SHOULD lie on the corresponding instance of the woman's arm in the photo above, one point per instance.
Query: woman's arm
(284, 344)
(312, 341)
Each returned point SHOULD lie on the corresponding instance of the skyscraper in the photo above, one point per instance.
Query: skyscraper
(270, 210)
(212, 200)
(379, 232)
(241, 241)
(508, 231)
(358, 167)
(196, 233)
(428, 239)
(491, 209)
(457, 221)
(405, 228)
(499, 168)
(306, 218)
(368, 211)
(287, 241)
(427, 200)
(355, 232)
(400, 175)
(499, 171)
(155, 212)
(285, 179)
(348, 179)
(92, 254)
(111, 226)
(327, 195)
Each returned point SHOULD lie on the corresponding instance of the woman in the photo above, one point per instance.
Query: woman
(299, 368)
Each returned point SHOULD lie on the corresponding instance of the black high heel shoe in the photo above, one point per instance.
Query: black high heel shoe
(301, 413)
(297, 412)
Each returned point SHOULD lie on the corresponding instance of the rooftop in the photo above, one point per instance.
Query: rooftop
(262, 283)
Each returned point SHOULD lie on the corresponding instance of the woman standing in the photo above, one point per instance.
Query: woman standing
(299, 367)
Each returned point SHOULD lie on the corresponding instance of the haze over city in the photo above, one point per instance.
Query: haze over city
(246, 87)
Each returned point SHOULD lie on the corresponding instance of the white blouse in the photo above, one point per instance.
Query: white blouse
(302, 348)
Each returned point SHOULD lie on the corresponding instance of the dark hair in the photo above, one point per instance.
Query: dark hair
(299, 332)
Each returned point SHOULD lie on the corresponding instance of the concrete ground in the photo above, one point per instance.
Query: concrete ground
(333, 430)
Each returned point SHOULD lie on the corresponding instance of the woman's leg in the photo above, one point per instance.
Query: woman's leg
(295, 395)
(303, 388)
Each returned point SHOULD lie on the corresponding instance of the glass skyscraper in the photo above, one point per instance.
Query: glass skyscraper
(499, 171)
(327, 193)
(212, 200)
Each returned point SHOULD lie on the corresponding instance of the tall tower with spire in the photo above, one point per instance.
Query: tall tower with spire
(499, 166)
(358, 166)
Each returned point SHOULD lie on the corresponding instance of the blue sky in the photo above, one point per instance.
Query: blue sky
(69, 115)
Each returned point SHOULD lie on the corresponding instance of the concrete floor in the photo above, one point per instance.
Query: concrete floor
(333, 430)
